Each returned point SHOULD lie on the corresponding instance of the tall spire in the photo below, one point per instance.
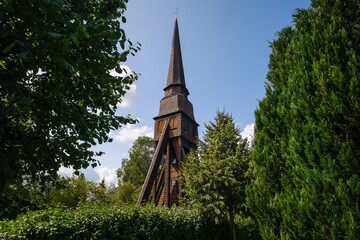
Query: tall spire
(176, 70)
(175, 133)
(176, 93)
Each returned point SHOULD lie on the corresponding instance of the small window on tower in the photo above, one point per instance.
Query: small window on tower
(160, 125)
(173, 182)
(194, 131)
(173, 123)
(186, 128)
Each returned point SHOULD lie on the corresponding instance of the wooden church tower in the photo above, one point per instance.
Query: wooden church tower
(175, 134)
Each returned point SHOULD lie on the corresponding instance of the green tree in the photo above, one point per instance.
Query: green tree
(135, 168)
(307, 135)
(14, 200)
(214, 178)
(23, 195)
(76, 190)
(126, 193)
(132, 173)
(57, 95)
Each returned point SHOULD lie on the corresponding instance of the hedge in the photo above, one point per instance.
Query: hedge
(121, 222)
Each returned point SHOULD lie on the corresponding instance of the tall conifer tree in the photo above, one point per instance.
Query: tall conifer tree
(307, 136)
(215, 175)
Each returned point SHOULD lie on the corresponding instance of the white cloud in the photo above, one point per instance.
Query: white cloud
(93, 174)
(248, 132)
(66, 172)
(108, 173)
(129, 133)
(129, 98)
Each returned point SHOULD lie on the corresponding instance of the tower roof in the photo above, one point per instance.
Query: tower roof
(176, 71)
(176, 94)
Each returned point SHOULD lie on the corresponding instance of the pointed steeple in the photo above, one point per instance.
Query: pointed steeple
(176, 94)
(175, 133)
(176, 71)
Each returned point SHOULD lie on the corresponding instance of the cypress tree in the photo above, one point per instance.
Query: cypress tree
(307, 137)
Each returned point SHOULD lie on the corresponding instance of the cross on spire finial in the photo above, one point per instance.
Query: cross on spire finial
(176, 11)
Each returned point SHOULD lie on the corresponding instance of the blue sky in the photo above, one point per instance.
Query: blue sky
(225, 50)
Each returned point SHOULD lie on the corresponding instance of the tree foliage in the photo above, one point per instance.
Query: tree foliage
(119, 222)
(64, 192)
(57, 95)
(76, 190)
(135, 168)
(23, 195)
(126, 193)
(131, 175)
(307, 136)
(215, 176)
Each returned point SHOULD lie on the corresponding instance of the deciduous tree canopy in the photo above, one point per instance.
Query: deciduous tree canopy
(132, 173)
(135, 168)
(57, 95)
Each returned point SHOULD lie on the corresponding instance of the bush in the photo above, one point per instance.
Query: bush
(120, 222)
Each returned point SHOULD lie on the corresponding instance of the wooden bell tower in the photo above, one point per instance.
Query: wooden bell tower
(175, 134)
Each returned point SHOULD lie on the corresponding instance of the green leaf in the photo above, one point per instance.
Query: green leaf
(82, 31)
(9, 47)
(75, 41)
(23, 55)
(26, 101)
(123, 19)
(67, 65)
(65, 45)
(122, 43)
(55, 35)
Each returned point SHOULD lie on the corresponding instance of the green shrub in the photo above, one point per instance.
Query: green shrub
(120, 222)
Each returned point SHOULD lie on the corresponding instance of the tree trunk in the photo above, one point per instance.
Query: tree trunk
(232, 224)
(3, 179)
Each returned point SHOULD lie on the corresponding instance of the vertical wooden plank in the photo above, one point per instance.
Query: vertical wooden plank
(167, 176)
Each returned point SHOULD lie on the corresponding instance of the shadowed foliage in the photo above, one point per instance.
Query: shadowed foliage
(58, 98)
